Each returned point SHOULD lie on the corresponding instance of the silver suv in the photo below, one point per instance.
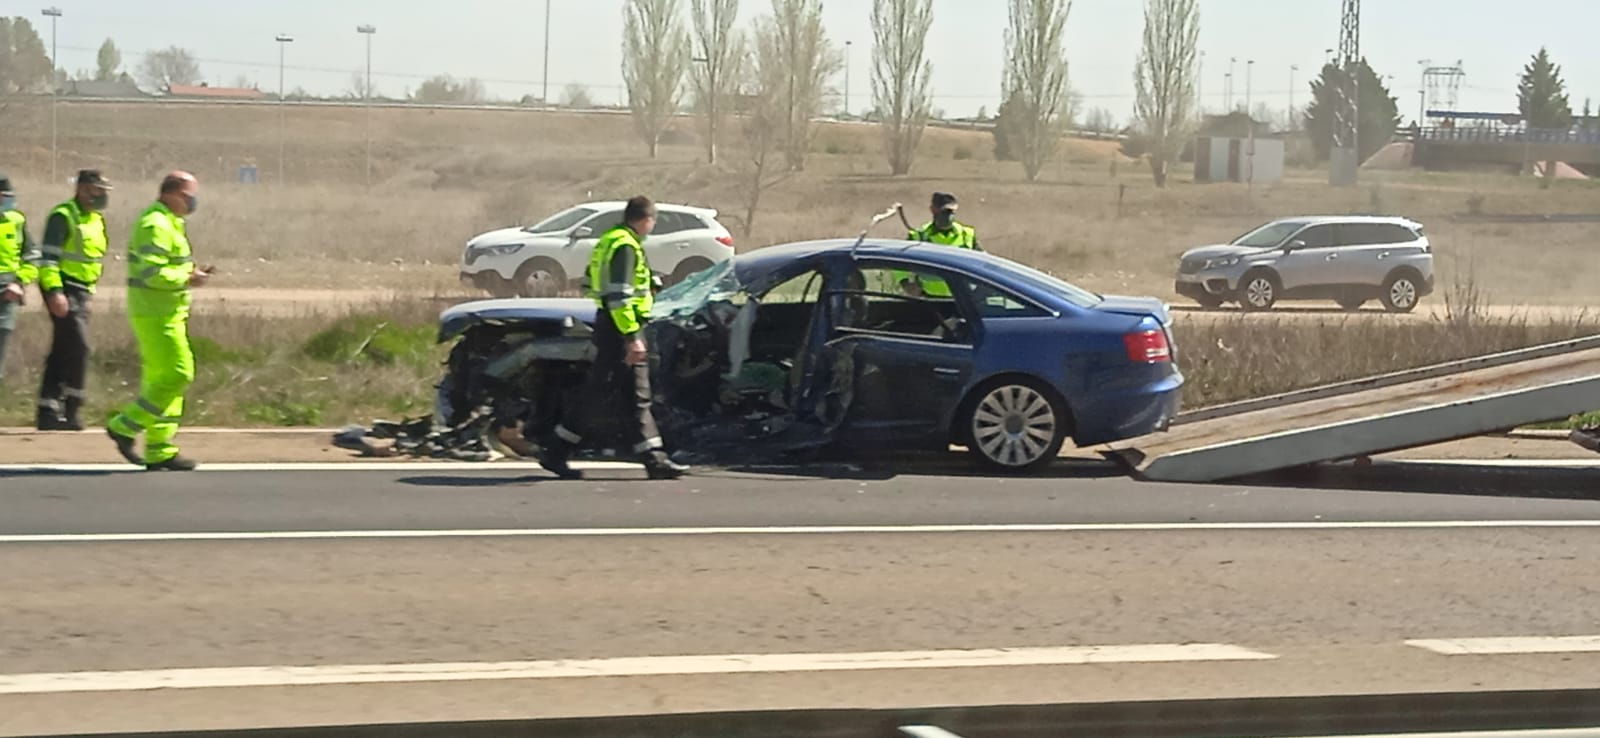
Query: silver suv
(1349, 260)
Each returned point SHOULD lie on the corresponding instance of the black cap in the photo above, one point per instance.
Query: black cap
(93, 177)
(944, 201)
(5, 183)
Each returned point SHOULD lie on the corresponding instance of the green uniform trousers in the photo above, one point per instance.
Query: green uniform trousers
(166, 371)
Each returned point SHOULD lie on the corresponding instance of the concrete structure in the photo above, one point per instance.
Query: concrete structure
(1464, 140)
(1256, 161)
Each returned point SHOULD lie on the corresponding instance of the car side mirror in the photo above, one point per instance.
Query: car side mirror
(582, 232)
(1295, 244)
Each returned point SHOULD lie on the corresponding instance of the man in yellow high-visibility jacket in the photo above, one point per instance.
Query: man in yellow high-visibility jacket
(73, 250)
(19, 260)
(624, 290)
(161, 272)
(944, 230)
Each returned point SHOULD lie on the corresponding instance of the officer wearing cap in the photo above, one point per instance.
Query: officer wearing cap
(945, 230)
(74, 248)
(18, 262)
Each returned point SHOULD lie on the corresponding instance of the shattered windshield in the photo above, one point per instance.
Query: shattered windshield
(715, 283)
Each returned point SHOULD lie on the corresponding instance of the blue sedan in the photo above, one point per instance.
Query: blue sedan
(870, 345)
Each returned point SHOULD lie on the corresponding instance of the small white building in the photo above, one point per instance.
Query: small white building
(1257, 161)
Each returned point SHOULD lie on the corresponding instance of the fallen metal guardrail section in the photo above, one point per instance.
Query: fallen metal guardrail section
(1392, 412)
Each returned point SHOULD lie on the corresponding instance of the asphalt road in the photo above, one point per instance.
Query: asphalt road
(1114, 589)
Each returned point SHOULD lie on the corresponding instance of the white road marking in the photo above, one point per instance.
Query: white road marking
(790, 530)
(281, 676)
(1502, 646)
(1589, 463)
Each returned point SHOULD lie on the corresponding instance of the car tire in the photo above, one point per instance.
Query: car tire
(688, 268)
(1259, 291)
(539, 277)
(1401, 292)
(1016, 426)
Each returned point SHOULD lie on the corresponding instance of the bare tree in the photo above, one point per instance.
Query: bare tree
(655, 54)
(357, 88)
(162, 69)
(1036, 80)
(1164, 80)
(766, 120)
(795, 39)
(900, 76)
(577, 96)
(716, 71)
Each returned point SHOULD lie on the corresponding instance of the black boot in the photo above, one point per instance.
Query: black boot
(660, 466)
(555, 456)
(50, 419)
(73, 417)
(174, 464)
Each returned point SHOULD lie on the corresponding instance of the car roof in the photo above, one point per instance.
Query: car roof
(1321, 219)
(752, 266)
(672, 207)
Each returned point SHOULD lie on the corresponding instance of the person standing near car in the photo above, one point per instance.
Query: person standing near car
(19, 260)
(161, 274)
(74, 248)
(944, 230)
(623, 286)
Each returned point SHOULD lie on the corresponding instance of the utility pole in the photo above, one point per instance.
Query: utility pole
(1200, 91)
(366, 93)
(53, 14)
(847, 46)
(1232, 60)
(283, 40)
(1294, 117)
(546, 93)
(1249, 115)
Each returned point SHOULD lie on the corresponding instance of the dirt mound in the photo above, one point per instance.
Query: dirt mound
(1394, 157)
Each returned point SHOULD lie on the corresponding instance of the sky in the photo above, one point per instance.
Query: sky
(502, 43)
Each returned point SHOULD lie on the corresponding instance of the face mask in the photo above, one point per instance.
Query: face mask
(99, 202)
(8, 202)
(193, 203)
(943, 219)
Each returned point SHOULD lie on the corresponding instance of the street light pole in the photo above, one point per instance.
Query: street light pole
(847, 77)
(366, 93)
(283, 40)
(1294, 117)
(55, 87)
(1249, 73)
(546, 93)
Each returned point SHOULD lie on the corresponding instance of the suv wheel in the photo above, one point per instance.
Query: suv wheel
(1400, 292)
(539, 277)
(1258, 291)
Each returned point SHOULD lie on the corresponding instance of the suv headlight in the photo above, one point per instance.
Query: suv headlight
(1224, 261)
(505, 249)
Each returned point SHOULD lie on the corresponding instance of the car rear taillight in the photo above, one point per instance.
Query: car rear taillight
(1148, 347)
(725, 241)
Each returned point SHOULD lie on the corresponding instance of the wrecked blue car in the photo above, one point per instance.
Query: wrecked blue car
(869, 345)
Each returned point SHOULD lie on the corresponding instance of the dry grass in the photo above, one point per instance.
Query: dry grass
(443, 176)
(307, 370)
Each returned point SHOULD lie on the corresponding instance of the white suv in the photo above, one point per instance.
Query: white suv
(542, 260)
